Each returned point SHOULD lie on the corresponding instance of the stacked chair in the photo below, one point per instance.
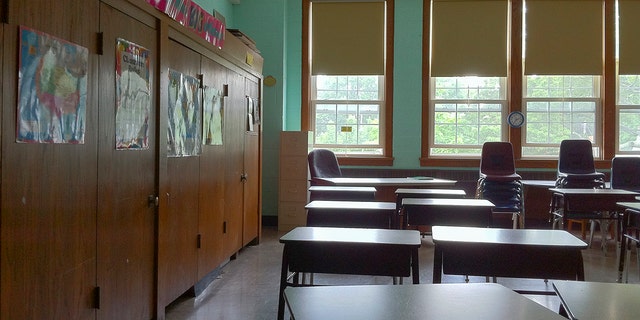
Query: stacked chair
(625, 174)
(576, 170)
(499, 182)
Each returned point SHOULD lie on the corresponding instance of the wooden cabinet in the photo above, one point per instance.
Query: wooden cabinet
(294, 179)
(91, 232)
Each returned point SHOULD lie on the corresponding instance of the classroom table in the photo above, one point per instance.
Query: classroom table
(598, 300)
(448, 212)
(342, 193)
(358, 214)
(631, 210)
(402, 193)
(358, 251)
(598, 204)
(513, 253)
(480, 301)
(386, 187)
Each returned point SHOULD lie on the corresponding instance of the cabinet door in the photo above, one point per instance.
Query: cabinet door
(251, 215)
(178, 212)
(212, 180)
(48, 195)
(126, 179)
(235, 123)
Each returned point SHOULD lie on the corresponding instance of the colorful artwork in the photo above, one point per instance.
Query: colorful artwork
(133, 96)
(184, 131)
(192, 16)
(213, 117)
(52, 89)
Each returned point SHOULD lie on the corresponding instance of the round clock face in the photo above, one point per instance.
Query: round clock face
(515, 119)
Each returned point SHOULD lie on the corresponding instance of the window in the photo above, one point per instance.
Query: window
(347, 113)
(347, 80)
(628, 114)
(628, 81)
(557, 108)
(467, 81)
(467, 111)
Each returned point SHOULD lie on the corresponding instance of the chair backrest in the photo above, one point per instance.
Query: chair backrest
(323, 163)
(625, 173)
(576, 157)
(497, 159)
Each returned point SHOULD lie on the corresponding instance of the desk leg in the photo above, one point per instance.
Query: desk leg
(415, 269)
(437, 264)
(579, 266)
(283, 282)
(623, 245)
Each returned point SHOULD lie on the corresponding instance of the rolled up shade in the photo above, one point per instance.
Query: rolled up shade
(469, 38)
(563, 37)
(629, 11)
(347, 38)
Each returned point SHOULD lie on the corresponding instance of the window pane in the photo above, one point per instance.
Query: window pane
(629, 130)
(467, 111)
(348, 113)
(559, 108)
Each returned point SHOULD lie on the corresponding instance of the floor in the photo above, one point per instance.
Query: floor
(247, 287)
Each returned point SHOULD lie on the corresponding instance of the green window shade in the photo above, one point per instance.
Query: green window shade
(629, 11)
(469, 38)
(563, 37)
(347, 38)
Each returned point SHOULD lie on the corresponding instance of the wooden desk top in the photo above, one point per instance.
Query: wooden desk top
(407, 202)
(595, 192)
(342, 189)
(446, 192)
(352, 235)
(373, 182)
(597, 300)
(407, 302)
(522, 237)
(630, 205)
(351, 205)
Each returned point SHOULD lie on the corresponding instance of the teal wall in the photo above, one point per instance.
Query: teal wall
(276, 27)
(222, 6)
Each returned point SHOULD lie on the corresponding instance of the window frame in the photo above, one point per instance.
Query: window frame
(386, 159)
(336, 147)
(432, 105)
(598, 114)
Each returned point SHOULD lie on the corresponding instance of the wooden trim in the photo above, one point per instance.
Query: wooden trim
(609, 114)
(388, 82)
(305, 114)
(514, 98)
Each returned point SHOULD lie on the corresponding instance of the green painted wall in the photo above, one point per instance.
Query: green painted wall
(276, 27)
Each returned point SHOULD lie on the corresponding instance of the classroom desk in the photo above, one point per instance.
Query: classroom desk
(513, 253)
(376, 252)
(597, 300)
(386, 187)
(588, 200)
(586, 203)
(481, 301)
(631, 209)
(356, 214)
(402, 193)
(459, 212)
(342, 193)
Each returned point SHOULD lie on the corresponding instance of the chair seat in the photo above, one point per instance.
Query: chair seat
(501, 178)
(581, 176)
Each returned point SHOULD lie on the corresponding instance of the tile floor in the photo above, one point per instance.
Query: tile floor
(247, 287)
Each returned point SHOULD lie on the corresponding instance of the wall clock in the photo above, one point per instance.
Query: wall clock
(515, 119)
